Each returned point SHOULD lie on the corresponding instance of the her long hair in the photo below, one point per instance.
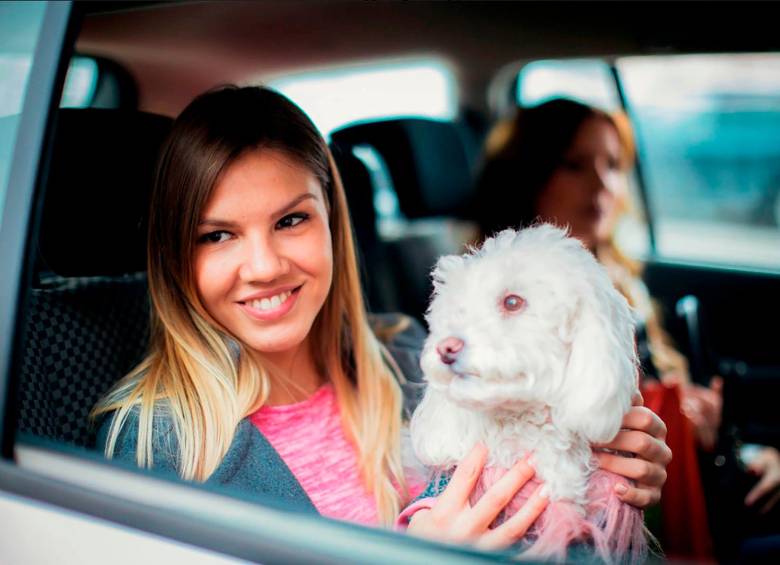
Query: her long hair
(192, 373)
(525, 150)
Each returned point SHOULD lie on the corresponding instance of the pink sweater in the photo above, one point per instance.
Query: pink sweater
(309, 437)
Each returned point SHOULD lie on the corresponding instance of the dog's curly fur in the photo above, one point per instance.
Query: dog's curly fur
(547, 379)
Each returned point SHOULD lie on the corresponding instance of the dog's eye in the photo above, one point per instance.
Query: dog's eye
(513, 303)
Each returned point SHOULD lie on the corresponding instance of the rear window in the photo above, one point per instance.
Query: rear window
(587, 80)
(339, 96)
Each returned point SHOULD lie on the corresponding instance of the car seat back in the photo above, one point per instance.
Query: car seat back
(87, 318)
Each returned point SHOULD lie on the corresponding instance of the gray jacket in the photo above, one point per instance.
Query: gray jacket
(251, 465)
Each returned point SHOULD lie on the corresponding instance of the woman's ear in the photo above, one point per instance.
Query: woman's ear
(601, 372)
(443, 432)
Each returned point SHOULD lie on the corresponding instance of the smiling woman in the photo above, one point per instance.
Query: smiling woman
(245, 219)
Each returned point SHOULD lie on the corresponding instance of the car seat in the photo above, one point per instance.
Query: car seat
(87, 316)
(375, 271)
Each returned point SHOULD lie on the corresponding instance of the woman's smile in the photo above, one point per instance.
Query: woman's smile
(270, 306)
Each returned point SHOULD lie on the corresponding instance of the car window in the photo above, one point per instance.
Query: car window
(708, 127)
(20, 26)
(587, 80)
(338, 96)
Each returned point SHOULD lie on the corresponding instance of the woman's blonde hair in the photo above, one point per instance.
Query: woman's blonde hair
(195, 373)
(526, 149)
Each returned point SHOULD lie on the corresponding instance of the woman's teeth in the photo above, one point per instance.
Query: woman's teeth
(270, 303)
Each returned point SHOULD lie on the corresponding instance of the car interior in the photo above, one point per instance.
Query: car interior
(86, 309)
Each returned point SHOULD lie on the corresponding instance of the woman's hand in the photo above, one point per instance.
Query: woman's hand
(453, 519)
(643, 435)
(703, 406)
(766, 465)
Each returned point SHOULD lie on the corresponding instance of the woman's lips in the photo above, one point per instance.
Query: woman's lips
(266, 310)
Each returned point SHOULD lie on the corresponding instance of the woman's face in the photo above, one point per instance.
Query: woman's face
(587, 189)
(263, 258)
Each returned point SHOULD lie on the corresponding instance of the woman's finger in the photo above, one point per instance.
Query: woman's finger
(639, 497)
(761, 489)
(498, 496)
(516, 526)
(465, 476)
(643, 472)
(649, 477)
(644, 420)
(641, 444)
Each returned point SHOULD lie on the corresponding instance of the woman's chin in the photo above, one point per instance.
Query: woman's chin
(275, 346)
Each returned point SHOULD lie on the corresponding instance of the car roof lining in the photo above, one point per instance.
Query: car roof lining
(176, 50)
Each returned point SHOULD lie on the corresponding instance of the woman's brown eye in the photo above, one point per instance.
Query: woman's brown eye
(513, 303)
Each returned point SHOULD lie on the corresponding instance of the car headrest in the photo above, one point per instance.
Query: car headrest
(97, 195)
(430, 162)
(359, 190)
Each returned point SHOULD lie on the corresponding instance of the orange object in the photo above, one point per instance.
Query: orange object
(684, 512)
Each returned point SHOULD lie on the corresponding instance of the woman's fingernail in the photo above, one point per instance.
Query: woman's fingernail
(545, 491)
(621, 489)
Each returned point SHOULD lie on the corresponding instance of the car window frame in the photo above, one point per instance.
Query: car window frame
(250, 529)
(25, 181)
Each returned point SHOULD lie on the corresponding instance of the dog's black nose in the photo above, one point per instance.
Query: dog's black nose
(448, 349)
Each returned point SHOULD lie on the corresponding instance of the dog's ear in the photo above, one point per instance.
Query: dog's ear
(602, 367)
(443, 432)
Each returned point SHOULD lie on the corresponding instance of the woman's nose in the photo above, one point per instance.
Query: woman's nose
(261, 261)
(607, 178)
(448, 349)
(599, 179)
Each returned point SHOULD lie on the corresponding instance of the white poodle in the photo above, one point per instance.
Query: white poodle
(531, 352)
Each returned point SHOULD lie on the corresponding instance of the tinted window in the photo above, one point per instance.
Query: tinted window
(708, 128)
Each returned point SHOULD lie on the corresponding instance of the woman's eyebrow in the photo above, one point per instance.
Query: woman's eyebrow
(216, 222)
(293, 203)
